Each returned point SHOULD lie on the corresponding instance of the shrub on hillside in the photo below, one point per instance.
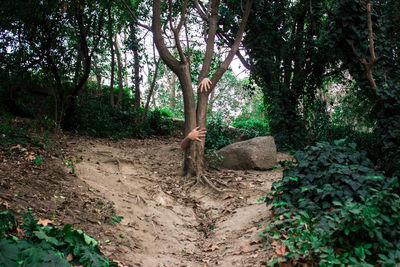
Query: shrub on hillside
(46, 246)
(333, 208)
(101, 120)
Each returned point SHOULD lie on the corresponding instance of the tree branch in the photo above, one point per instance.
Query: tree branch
(134, 16)
(371, 35)
(222, 36)
(167, 57)
(210, 40)
(373, 59)
(200, 11)
(234, 48)
(177, 30)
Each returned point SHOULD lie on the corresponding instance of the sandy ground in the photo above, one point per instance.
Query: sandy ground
(165, 221)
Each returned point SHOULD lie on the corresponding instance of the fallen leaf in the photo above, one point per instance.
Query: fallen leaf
(228, 196)
(274, 243)
(70, 257)
(281, 218)
(45, 222)
(254, 256)
(251, 230)
(31, 157)
(280, 250)
(211, 248)
(192, 239)
(15, 147)
(245, 249)
(20, 233)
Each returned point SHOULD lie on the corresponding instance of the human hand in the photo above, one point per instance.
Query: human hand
(197, 133)
(204, 84)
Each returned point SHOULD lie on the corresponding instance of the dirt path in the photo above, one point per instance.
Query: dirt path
(165, 222)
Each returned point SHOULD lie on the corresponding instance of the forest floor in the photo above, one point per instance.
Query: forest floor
(92, 183)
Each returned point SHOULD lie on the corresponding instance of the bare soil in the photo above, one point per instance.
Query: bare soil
(86, 181)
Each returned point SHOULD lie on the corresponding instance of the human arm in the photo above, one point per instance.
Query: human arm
(194, 135)
(204, 84)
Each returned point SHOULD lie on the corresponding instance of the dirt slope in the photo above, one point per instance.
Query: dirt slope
(165, 221)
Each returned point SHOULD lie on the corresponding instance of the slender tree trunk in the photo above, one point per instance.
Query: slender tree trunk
(97, 72)
(137, 79)
(136, 68)
(111, 44)
(171, 88)
(120, 77)
(125, 63)
(153, 83)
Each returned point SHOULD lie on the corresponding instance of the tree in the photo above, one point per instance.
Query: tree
(56, 42)
(194, 115)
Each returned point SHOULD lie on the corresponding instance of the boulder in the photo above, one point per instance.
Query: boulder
(258, 153)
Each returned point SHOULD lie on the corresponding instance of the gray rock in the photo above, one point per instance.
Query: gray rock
(258, 153)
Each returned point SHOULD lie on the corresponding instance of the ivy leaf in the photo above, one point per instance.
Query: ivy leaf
(41, 255)
(8, 253)
(43, 236)
(89, 257)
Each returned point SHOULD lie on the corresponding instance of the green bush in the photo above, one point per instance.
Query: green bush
(332, 208)
(159, 122)
(252, 128)
(98, 119)
(46, 246)
(218, 134)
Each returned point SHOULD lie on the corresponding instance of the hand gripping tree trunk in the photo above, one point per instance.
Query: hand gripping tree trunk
(193, 162)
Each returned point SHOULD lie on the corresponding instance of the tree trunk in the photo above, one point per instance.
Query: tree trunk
(136, 68)
(120, 77)
(153, 83)
(125, 63)
(193, 162)
(111, 44)
(97, 72)
(171, 88)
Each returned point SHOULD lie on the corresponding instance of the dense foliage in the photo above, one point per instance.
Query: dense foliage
(96, 117)
(299, 52)
(333, 208)
(46, 246)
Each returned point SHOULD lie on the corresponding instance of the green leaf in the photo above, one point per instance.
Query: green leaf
(337, 203)
(38, 255)
(43, 236)
(8, 253)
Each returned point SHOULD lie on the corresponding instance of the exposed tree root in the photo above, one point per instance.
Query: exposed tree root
(139, 199)
(203, 179)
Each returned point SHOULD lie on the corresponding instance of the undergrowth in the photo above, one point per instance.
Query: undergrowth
(332, 208)
(12, 134)
(97, 119)
(31, 244)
